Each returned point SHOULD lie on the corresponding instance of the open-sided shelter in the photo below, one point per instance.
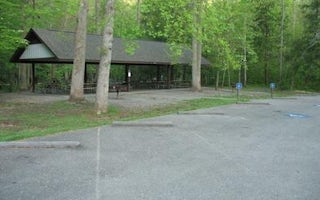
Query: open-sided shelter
(51, 46)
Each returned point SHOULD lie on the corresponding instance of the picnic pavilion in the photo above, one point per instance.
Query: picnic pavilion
(57, 47)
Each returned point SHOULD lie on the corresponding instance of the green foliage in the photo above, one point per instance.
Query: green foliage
(228, 31)
(267, 19)
(17, 17)
(170, 21)
(126, 24)
(228, 28)
(305, 48)
(10, 35)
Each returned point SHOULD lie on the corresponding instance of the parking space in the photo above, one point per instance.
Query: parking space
(241, 151)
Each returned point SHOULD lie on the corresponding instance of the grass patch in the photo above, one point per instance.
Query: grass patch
(24, 120)
(186, 105)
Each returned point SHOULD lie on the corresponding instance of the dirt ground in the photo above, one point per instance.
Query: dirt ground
(134, 99)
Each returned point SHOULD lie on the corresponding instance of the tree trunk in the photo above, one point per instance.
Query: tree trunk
(245, 54)
(239, 75)
(266, 67)
(217, 80)
(223, 77)
(196, 49)
(229, 77)
(97, 7)
(281, 43)
(139, 2)
(24, 75)
(76, 92)
(196, 68)
(105, 61)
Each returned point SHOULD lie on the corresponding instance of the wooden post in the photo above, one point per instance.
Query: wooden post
(158, 73)
(33, 84)
(126, 73)
(168, 76)
(128, 77)
(85, 73)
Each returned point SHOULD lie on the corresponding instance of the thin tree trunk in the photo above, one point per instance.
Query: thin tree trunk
(245, 54)
(223, 77)
(199, 55)
(245, 78)
(139, 2)
(98, 16)
(266, 67)
(281, 43)
(294, 22)
(76, 92)
(239, 75)
(105, 61)
(229, 77)
(217, 80)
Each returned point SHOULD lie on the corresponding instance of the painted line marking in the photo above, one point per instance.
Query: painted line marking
(40, 144)
(142, 124)
(200, 113)
(98, 157)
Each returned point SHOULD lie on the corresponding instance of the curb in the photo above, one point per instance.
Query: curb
(40, 144)
(142, 124)
(200, 113)
(255, 103)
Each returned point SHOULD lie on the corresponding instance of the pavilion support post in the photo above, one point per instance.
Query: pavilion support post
(184, 72)
(168, 76)
(85, 73)
(171, 74)
(126, 70)
(85, 79)
(33, 82)
(128, 77)
(158, 80)
(158, 74)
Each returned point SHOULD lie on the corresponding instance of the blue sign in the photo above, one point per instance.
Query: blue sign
(239, 86)
(272, 85)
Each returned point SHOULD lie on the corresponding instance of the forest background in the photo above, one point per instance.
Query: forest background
(249, 41)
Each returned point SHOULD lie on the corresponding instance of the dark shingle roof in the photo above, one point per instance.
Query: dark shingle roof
(61, 44)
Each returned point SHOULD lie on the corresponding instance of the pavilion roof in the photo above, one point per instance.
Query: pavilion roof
(51, 46)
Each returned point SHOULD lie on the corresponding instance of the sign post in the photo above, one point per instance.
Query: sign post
(272, 87)
(238, 87)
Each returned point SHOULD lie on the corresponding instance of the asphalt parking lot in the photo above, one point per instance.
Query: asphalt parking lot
(266, 149)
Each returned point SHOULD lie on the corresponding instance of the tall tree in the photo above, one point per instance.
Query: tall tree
(267, 38)
(179, 23)
(76, 92)
(282, 41)
(228, 38)
(105, 60)
(197, 46)
(97, 9)
(311, 45)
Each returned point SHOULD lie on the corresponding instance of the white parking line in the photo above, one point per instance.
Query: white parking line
(98, 166)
